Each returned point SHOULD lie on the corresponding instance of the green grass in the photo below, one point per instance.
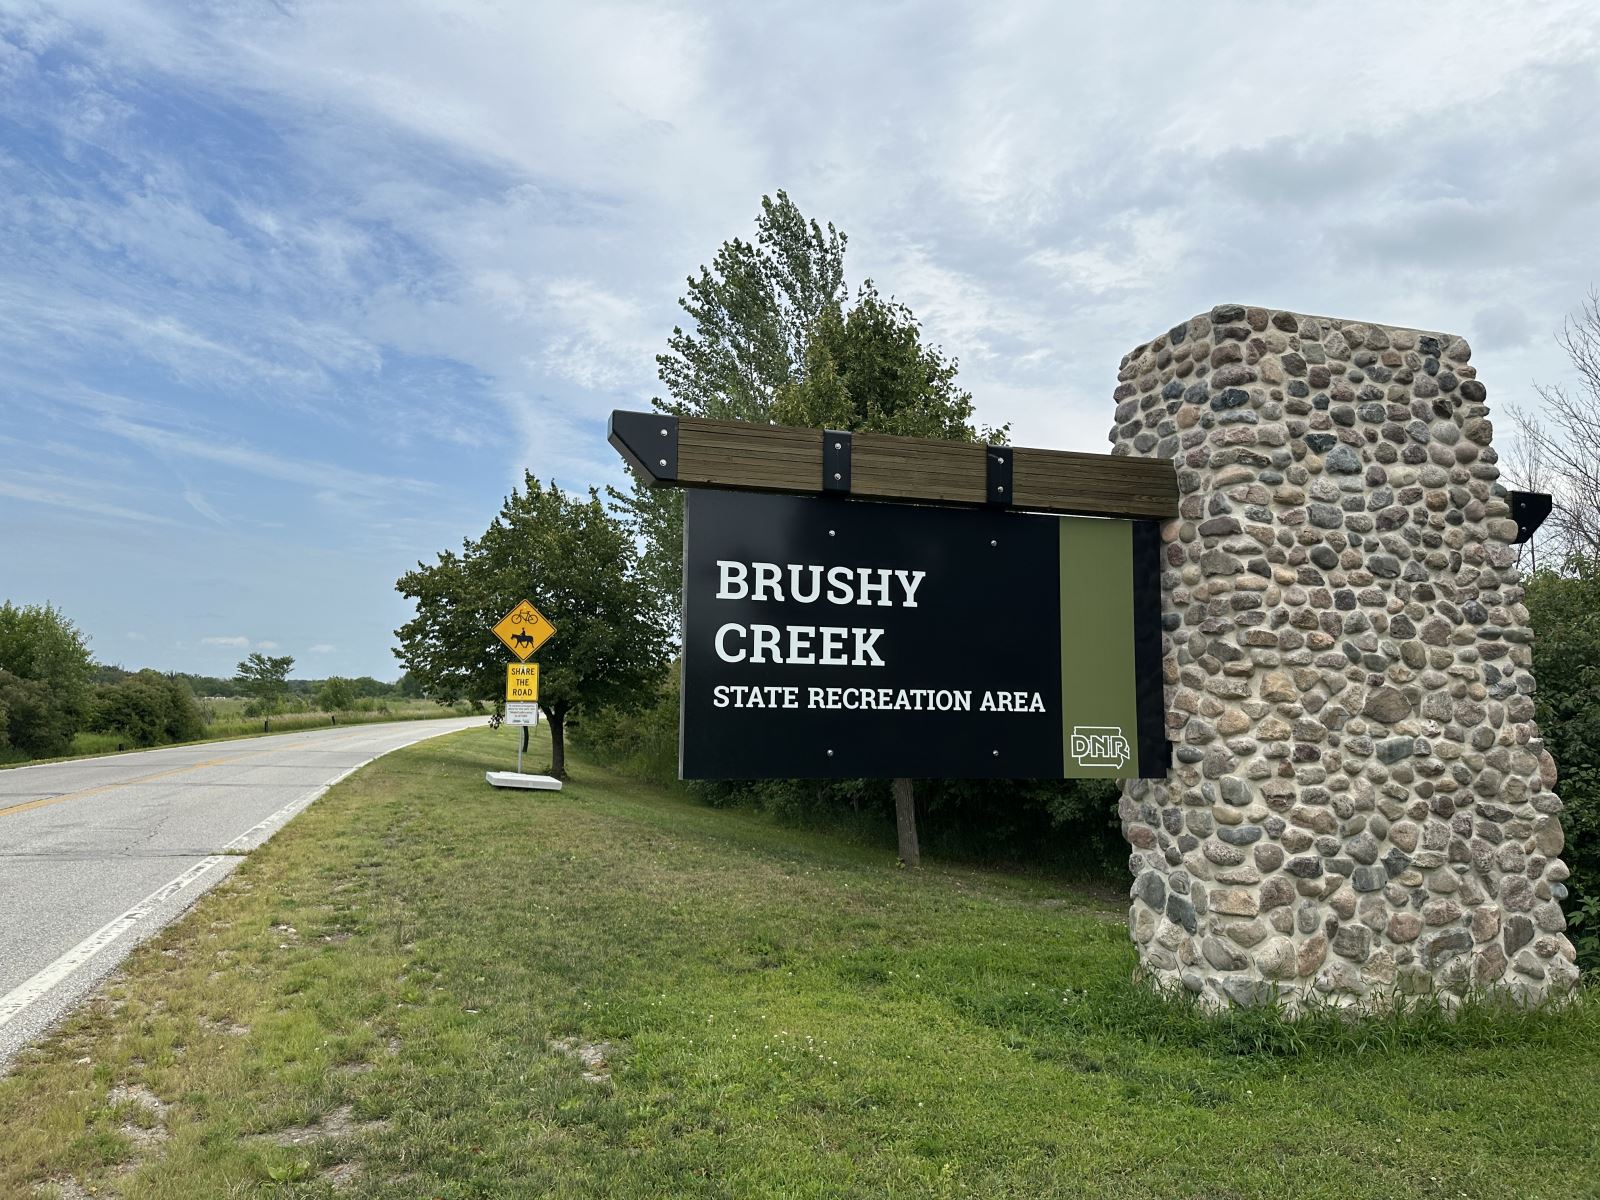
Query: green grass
(786, 1014)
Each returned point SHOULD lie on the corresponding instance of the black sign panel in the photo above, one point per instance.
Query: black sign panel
(835, 638)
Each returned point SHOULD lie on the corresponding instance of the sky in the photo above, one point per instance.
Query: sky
(292, 294)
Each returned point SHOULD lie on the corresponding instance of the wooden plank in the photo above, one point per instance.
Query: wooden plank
(694, 452)
(740, 455)
(1094, 484)
(885, 466)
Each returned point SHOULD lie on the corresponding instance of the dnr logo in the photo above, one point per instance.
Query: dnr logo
(1100, 746)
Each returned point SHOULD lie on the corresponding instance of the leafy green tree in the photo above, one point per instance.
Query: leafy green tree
(148, 709)
(336, 695)
(266, 677)
(868, 369)
(45, 671)
(580, 567)
(772, 339)
(1565, 614)
(750, 316)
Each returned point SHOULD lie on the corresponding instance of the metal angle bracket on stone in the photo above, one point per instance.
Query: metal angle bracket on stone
(1529, 510)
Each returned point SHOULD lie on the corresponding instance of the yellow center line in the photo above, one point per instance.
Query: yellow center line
(45, 801)
(109, 787)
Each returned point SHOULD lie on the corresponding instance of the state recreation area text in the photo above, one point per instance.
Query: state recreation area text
(858, 699)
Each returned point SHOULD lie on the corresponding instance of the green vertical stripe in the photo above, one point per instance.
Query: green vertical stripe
(1097, 676)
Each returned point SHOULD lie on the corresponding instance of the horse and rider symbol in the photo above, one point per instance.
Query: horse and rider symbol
(523, 630)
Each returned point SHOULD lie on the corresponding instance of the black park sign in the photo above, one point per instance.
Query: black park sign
(826, 636)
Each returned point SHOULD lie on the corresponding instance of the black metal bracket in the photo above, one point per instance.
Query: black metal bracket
(648, 441)
(1528, 510)
(835, 460)
(997, 489)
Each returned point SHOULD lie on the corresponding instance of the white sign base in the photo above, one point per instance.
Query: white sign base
(515, 779)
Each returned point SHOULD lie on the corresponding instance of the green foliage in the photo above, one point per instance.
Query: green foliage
(148, 709)
(266, 678)
(336, 695)
(750, 317)
(579, 566)
(1565, 614)
(44, 679)
(642, 743)
(868, 369)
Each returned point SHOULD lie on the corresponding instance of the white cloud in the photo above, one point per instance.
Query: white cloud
(323, 648)
(241, 643)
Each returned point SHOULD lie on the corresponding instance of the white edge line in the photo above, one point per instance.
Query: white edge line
(25, 994)
(16, 1001)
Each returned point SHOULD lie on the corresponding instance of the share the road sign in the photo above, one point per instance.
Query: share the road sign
(523, 630)
(522, 683)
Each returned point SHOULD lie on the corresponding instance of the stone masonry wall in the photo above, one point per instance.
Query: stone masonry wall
(1359, 803)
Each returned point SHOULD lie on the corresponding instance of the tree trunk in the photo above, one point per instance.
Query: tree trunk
(558, 747)
(905, 823)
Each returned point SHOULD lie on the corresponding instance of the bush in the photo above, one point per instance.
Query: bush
(1565, 613)
(1069, 823)
(148, 709)
(44, 679)
(336, 695)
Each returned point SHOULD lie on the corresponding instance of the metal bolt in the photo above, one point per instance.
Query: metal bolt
(663, 462)
(996, 753)
(838, 445)
(836, 475)
(830, 533)
(992, 542)
(999, 487)
(663, 433)
(1001, 460)
(830, 753)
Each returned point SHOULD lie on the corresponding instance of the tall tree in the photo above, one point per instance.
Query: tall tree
(750, 318)
(44, 679)
(266, 677)
(772, 339)
(580, 567)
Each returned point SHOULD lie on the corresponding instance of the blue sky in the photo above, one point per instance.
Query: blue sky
(290, 295)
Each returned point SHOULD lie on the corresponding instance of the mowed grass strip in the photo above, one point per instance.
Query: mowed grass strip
(426, 987)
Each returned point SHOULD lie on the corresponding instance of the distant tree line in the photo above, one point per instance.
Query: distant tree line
(52, 690)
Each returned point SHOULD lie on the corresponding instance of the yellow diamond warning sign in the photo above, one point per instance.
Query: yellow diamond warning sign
(524, 630)
(522, 682)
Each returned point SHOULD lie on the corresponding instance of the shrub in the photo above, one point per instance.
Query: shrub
(1071, 823)
(336, 695)
(44, 678)
(148, 709)
(1565, 613)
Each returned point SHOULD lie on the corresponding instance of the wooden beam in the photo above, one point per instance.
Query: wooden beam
(694, 452)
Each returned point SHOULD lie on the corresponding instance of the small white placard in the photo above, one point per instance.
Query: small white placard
(521, 713)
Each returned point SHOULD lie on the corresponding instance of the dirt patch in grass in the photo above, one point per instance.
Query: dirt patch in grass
(338, 1124)
(597, 1057)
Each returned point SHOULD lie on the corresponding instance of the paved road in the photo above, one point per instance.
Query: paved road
(98, 854)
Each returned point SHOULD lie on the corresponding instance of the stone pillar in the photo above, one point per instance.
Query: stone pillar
(1359, 804)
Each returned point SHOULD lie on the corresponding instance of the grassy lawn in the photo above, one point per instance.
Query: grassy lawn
(424, 987)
